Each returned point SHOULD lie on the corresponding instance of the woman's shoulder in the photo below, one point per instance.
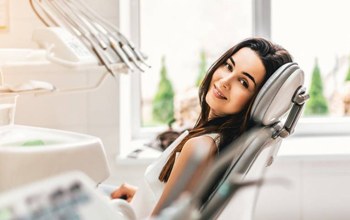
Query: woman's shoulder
(203, 139)
(206, 142)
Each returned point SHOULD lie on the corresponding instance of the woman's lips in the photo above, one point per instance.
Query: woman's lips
(218, 94)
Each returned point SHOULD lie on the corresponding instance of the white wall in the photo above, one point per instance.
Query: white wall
(317, 168)
(318, 189)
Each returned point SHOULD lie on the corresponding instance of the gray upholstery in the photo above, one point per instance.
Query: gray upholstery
(274, 98)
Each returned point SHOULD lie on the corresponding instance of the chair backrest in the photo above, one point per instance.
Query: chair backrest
(245, 160)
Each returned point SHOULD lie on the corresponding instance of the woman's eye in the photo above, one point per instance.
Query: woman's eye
(228, 66)
(244, 83)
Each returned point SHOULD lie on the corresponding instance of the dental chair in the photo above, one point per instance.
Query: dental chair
(230, 187)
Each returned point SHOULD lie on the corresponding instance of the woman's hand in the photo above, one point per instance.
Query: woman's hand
(124, 191)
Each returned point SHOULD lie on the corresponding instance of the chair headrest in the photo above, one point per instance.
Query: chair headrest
(275, 97)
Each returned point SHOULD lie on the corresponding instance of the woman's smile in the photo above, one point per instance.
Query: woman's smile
(218, 94)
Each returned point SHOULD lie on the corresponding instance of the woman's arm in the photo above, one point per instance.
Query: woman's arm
(124, 191)
(207, 146)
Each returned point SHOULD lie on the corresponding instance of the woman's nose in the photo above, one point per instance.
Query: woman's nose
(226, 82)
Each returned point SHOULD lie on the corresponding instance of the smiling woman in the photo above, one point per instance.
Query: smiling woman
(234, 83)
(225, 101)
(226, 96)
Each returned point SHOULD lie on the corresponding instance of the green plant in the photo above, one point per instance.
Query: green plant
(317, 104)
(202, 68)
(347, 78)
(163, 102)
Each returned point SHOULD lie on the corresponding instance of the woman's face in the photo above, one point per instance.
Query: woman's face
(234, 83)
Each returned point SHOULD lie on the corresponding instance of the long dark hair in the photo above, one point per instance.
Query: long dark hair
(229, 127)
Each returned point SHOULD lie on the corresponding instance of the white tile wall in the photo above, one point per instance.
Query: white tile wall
(326, 189)
(270, 205)
(319, 189)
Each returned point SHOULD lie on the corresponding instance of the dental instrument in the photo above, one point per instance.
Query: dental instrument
(100, 36)
(98, 30)
(119, 37)
(84, 35)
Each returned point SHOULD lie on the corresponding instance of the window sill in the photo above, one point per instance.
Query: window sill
(316, 146)
(325, 126)
(127, 161)
(311, 147)
(139, 154)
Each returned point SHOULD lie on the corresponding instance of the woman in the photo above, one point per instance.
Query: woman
(226, 96)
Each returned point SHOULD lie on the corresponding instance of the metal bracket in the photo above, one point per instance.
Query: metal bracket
(299, 99)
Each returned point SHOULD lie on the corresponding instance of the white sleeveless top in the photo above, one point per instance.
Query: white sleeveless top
(150, 191)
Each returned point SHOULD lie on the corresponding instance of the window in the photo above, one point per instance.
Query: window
(313, 31)
(318, 36)
(187, 36)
